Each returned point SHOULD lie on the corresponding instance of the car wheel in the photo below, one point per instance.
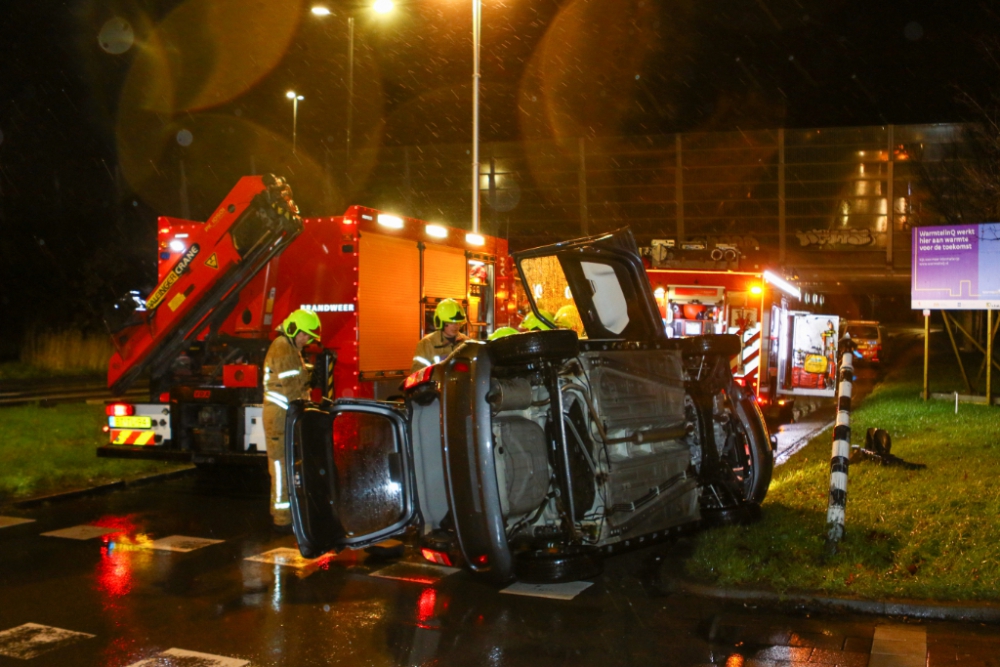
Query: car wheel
(741, 515)
(534, 346)
(756, 459)
(557, 563)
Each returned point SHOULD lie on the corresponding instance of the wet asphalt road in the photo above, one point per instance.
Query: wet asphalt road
(137, 605)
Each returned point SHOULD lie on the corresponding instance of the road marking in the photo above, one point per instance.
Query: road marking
(189, 659)
(899, 646)
(8, 521)
(180, 543)
(84, 532)
(288, 557)
(793, 448)
(32, 640)
(419, 573)
(566, 591)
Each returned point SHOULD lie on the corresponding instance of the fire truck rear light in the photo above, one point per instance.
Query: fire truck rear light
(165, 397)
(741, 381)
(119, 410)
(418, 378)
(460, 367)
(439, 557)
(106, 428)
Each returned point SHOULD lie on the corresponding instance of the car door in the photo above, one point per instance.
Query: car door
(349, 473)
(603, 276)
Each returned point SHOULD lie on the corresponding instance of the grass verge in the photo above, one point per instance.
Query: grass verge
(50, 450)
(925, 534)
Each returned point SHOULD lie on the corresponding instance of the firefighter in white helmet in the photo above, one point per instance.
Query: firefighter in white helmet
(449, 316)
(286, 379)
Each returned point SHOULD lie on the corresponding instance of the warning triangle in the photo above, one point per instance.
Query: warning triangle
(212, 262)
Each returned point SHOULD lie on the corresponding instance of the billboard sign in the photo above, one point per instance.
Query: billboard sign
(956, 267)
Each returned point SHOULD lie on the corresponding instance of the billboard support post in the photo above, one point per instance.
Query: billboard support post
(954, 346)
(989, 357)
(927, 348)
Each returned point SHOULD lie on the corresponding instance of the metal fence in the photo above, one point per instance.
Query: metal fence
(794, 194)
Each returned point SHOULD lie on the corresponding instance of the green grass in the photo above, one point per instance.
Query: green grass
(927, 534)
(48, 450)
(18, 370)
(68, 351)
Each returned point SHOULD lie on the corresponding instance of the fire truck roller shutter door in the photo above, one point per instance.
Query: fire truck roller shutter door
(445, 272)
(388, 302)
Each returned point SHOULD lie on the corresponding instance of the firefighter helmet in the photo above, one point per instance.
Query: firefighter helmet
(531, 322)
(448, 311)
(568, 317)
(503, 332)
(302, 320)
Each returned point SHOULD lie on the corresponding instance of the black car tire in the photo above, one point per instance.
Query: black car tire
(727, 345)
(534, 346)
(761, 461)
(740, 515)
(557, 564)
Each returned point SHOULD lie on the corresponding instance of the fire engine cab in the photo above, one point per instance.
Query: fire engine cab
(224, 285)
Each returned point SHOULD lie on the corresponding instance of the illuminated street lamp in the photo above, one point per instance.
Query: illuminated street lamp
(294, 97)
(381, 7)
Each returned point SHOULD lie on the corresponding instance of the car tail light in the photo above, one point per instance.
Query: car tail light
(460, 367)
(434, 556)
(418, 378)
(119, 410)
(482, 559)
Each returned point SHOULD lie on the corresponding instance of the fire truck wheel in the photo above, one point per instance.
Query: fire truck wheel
(727, 345)
(534, 346)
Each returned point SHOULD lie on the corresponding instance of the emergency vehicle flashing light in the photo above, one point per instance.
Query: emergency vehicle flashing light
(390, 221)
(119, 410)
(783, 285)
(757, 290)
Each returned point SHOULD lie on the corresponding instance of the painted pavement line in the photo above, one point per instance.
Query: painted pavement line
(83, 532)
(31, 640)
(186, 657)
(899, 646)
(8, 521)
(564, 591)
(180, 543)
(802, 441)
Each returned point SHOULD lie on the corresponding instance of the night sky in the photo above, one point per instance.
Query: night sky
(103, 100)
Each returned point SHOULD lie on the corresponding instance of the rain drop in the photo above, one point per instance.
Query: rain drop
(913, 31)
(116, 36)
(184, 137)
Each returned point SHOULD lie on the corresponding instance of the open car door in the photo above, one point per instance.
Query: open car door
(349, 474)
(603, 277)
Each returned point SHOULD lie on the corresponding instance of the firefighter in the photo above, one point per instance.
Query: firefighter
(503, 332)
(532, 322)
(449, 316)
(286, 379)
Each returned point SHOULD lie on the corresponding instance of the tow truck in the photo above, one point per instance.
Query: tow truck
(373, 278)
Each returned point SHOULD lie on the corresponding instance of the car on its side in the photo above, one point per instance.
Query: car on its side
(535, 455)
(867, 336)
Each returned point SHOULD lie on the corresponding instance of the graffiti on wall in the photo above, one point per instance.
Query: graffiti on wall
(850, 237)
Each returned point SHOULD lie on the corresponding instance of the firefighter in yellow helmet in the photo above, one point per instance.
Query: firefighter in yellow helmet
(286, 379)
(568, 317)
(449, 317)
(532, 322)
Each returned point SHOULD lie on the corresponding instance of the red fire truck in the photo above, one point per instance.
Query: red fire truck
(224, 285)
(751, 304)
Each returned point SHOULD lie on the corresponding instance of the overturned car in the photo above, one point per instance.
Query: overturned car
(534, 455)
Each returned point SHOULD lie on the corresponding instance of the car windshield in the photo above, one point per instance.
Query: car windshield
(550, 289)
(863, 332)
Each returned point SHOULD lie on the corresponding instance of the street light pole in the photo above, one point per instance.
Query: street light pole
(476, 21)
(294, 97)
(350, 81)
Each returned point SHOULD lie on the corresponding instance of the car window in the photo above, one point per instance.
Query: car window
(863, 332)
(546, 283)
(608, 298)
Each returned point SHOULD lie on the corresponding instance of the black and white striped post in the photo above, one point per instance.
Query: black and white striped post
(836, 510)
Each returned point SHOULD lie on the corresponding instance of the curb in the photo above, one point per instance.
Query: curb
(101, 488)
(938, 611)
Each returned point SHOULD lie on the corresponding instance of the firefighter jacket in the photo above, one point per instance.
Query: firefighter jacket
(432, 348)
(285, 380)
